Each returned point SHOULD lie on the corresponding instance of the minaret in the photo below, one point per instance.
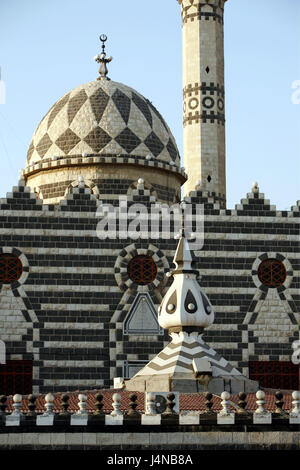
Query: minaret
(203, 95)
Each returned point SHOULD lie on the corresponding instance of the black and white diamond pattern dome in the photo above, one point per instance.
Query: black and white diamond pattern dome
(103, 117)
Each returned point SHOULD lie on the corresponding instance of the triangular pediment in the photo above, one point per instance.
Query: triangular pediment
(142, 317)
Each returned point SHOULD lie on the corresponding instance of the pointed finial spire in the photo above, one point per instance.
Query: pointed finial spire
(102, 60)
(183, 258)
(185, 307)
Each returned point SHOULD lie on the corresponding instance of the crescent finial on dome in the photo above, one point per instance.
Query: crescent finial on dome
(102, 60)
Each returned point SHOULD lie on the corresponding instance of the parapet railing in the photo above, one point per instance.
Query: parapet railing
(228, 415)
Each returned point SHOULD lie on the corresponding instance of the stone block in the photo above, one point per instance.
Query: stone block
(175, 438)
(158, 384)
(210, 438)
(44, 420)
(106, 439)
(189, 419)
(240, 438)
(157, 438)
(265, 418)
(225, 437)
(29, 438)
(136, 439)
(117, 439)
(151, 420)
(135, 385)
(294, 419)
(216, 386)
(191, 438)
(184, 385)
(74, 438)
(15, 439)
(113, 420)
(251, 386)
(237, 385)
(4, 440)
(272, 437)
(119, 382)
(225, 419)
(89, 438)
(11, 420)
(256, 438)
(290, 438)
(57, 439)
(79, 420)
(44, 439)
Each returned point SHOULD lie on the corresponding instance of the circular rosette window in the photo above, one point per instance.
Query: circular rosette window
(272, 272)
(11, 268)
(142, 270)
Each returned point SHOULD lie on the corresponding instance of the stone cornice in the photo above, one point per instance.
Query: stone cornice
(74, 160)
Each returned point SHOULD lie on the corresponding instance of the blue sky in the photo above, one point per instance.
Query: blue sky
(47, 48)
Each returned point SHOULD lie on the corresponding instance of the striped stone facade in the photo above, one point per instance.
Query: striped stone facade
(68, 310)
(253, 322)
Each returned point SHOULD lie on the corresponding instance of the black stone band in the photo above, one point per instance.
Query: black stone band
(206, 88)
(187, 329)
(202, 16)
(205, 117)
(216, 14)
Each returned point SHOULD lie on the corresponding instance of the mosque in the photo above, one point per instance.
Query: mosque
(77, 311)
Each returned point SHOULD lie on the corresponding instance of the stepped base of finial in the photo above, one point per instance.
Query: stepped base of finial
(185, 383)
(188, 365)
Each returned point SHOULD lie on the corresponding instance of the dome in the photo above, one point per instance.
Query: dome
(108, 135)
(102, 117)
